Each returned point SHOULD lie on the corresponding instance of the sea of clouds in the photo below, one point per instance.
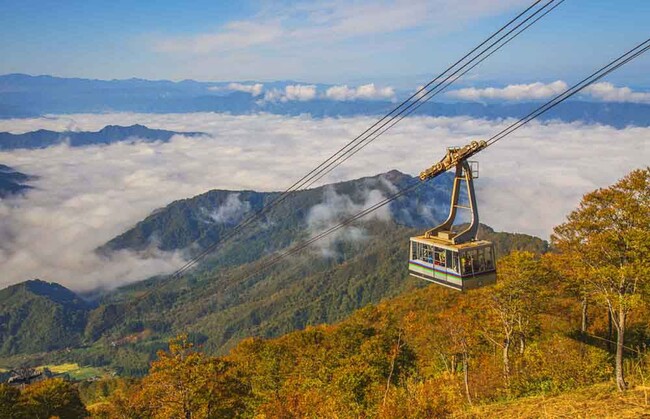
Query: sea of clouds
(85, 196)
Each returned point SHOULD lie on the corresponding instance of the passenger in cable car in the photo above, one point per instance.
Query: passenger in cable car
(467, 265)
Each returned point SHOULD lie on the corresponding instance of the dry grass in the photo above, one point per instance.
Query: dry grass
(61, 368)
(599, 401)
(75, 371)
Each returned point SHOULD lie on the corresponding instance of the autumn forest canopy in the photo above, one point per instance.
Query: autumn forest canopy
(565, 324)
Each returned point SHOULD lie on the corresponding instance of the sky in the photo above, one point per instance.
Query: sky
(85, 196)
(397, 42)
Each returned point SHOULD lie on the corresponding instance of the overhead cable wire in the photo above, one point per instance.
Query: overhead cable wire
(427, 98)
(425, 91)
(573, 90)
(351, 148)
(382, 124)
(576, 88)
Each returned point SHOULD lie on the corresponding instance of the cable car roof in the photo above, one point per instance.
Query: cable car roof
(443, 244)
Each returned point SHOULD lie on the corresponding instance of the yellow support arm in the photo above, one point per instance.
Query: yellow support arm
(453, 157)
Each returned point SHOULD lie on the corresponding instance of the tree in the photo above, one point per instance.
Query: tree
(514, 303)
(572, 276)
(457, 328)
(54, 397)
(185, 383)
(8, 401)
(609, 234)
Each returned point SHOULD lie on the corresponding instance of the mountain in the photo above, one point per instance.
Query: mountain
(38, 316)
(22, 95)
(205, 218)
(225, 300)
(12, 182)
(107, 135)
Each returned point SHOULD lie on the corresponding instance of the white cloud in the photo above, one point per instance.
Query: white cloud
(254, 89)
(363, 92)
(234, 36)
(306, 92)
(87, 195)
(299, 92)
(607, 92)
(311, 40)
(324, 21)
(532, 91)
(335, 208)
(232, 211)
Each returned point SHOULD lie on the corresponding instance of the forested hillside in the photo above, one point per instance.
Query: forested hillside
(220, 304)
(568, 325)
(39, 316)
(433, 352)
(202, 220)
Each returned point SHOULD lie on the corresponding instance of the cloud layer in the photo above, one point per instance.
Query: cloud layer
(86, 196)
(604, 91)
(300, 92)
(363, 92)
(607, 92)
(254, 89)
(512, 92)
(307, 92)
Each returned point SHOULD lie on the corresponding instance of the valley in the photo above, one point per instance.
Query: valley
(213, 304)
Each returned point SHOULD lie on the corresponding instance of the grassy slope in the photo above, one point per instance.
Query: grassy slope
(598, 401)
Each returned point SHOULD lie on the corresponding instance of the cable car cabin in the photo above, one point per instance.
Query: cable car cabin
(446, 255)
(461, 267)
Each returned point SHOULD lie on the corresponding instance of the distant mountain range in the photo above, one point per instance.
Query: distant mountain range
(107, 135)
(24, 96)
(218, 304)
(12, 182)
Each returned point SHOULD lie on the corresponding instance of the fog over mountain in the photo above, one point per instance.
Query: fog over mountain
(85, 196)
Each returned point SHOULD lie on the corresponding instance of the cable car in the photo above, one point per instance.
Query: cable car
(447, 256)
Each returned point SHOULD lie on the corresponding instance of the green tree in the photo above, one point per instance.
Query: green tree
(609, 234)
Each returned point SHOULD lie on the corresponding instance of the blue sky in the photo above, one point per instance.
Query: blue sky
(399, 42)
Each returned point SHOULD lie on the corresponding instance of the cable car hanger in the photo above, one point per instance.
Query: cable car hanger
(456, 259)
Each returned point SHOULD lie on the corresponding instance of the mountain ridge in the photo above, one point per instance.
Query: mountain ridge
(109, 134)
(27, 96)
(13, 182)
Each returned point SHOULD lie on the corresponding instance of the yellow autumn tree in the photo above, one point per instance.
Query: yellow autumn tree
(55, 397)
(8, 401)
(184, 383)
(608, 238)
(513, 304)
